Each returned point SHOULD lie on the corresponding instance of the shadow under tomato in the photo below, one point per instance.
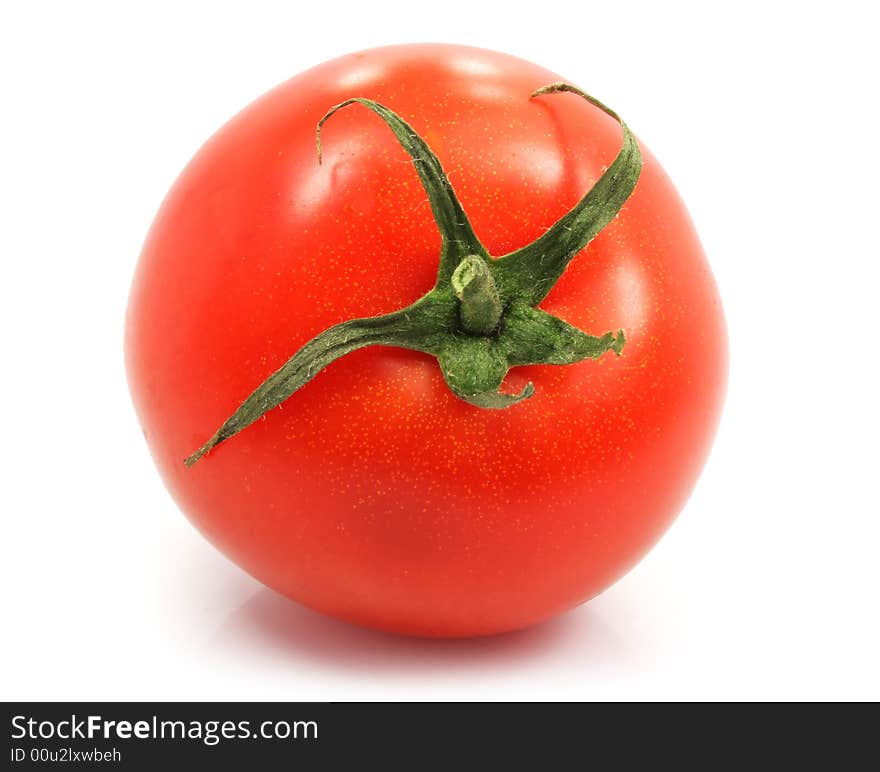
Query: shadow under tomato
(271, 624)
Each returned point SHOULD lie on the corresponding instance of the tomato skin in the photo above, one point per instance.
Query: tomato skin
(373, 494)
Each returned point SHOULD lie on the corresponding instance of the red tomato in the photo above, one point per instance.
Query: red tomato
(374, 494)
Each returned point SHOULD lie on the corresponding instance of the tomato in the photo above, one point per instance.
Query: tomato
(374, 493)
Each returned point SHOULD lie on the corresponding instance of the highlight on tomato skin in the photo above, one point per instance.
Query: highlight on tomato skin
(477, 420)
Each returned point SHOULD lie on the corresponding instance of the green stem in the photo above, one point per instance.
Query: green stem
(480, 306)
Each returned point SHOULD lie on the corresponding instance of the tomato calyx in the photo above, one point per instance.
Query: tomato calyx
(480, 319)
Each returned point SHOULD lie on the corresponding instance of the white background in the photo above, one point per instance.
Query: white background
(765, 115)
